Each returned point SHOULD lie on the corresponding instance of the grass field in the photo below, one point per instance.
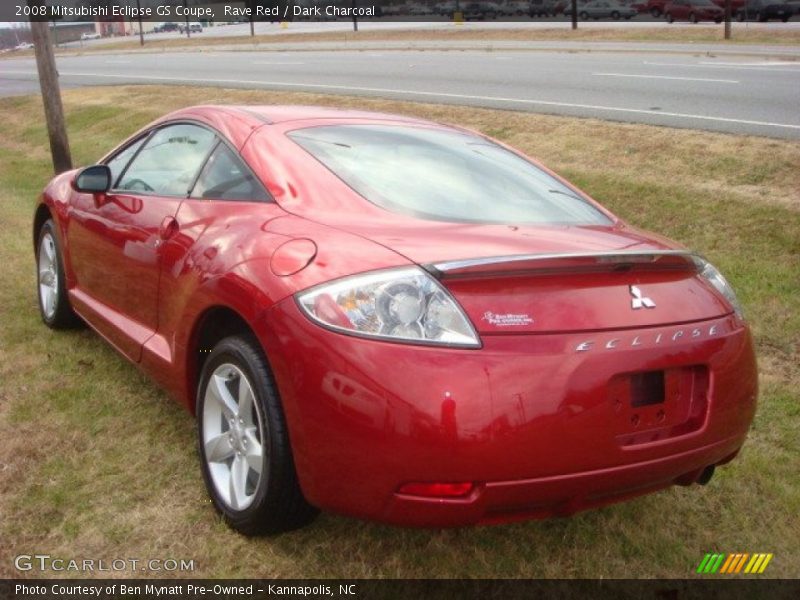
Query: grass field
(96, 462)
(741, 34)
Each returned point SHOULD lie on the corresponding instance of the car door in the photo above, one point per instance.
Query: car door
(116, 239)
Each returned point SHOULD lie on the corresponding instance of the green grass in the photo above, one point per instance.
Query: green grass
(96, 462)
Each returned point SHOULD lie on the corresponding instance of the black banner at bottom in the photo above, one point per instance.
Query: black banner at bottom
(416, 589)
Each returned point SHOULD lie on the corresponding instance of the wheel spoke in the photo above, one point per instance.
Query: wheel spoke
(218, 448)
(49, 249)
(220, 392)
(238, 482)
(245, 402)
(254, 452)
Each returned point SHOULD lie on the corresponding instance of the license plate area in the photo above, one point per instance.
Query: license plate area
(647, 388)
(650, 406)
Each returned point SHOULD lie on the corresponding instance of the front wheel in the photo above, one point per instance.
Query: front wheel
(54, 306)
(670, 18)
(244, 447)
(693, 18)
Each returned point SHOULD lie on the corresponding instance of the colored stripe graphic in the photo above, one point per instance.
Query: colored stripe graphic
(741, 563)
(733, 564)
(727, 564)
(764, 564)
(703, 563)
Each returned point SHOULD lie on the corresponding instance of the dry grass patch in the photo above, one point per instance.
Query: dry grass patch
(97, 462)
(453, 33)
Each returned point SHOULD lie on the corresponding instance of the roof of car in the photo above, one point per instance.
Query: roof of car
(284, 113)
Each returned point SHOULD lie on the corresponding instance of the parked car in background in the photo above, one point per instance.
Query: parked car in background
(479, 11)
(90, 36)
(195, 27)
(654, 7)
(735, 5)
(23, 46)
(693, 11)
(547, 8)
(514, 8)
(605, 9)
(166, 27)
(765, 10)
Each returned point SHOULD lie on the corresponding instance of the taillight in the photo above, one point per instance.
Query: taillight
(437, 490)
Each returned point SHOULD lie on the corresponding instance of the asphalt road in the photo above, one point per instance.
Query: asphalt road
(751, 95)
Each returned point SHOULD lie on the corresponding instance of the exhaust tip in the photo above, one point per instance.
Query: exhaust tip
(706, 475)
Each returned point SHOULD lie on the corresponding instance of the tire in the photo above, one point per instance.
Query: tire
(740, 17)
(656, 12)
(51, 287)
(760, 18)
(615, 15)
(584, 16)
(693, 18)
(267, 498)
(670, 18)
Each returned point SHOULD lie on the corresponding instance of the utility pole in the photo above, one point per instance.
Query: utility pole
(141, 31)
(188, 29)
(252, 18)
(728, 19)
(574, 14)
(51, 92)
(355, 19)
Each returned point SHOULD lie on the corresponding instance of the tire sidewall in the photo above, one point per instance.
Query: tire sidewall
(61, 288)
(228, 351)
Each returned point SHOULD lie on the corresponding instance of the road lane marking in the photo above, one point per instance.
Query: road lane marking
(752, 64)
(277, 62)
(718, 66)
(705, 80)
(425, 94)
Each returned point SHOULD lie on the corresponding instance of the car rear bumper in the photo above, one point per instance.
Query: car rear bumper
(540, 427)
(559, 495)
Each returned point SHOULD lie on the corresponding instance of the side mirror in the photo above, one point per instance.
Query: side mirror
(93, 180)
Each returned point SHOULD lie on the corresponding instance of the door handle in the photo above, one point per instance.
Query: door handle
(169, 227)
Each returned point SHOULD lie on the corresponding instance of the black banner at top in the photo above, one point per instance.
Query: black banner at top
(232, 11)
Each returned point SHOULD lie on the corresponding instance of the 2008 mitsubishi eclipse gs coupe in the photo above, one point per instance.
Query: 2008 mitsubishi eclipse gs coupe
(394, 319)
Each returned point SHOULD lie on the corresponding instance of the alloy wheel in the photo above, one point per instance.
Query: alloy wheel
(233, 434)
(48, 275)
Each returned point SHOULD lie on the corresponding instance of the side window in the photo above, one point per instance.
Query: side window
(120, 161)
(169, 161)
(226, 178)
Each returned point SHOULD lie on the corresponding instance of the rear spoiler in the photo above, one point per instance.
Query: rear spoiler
(577, 262)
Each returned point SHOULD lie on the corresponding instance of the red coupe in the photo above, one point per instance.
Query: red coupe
(394, 319)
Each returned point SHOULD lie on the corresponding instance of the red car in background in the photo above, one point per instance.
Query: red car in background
(693, 10)
(394, 319)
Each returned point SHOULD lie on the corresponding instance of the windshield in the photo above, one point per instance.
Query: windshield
(444, 175)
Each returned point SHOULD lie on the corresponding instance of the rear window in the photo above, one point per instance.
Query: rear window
(444, 175)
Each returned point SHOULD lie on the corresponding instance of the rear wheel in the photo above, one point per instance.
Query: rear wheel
(584, 16)
(670, 18)
(693, 17)
(615, 15)
(54, 306)
(656, 12)
(244, 443)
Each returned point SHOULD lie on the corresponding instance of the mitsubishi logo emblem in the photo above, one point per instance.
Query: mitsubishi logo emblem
(640, 301)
